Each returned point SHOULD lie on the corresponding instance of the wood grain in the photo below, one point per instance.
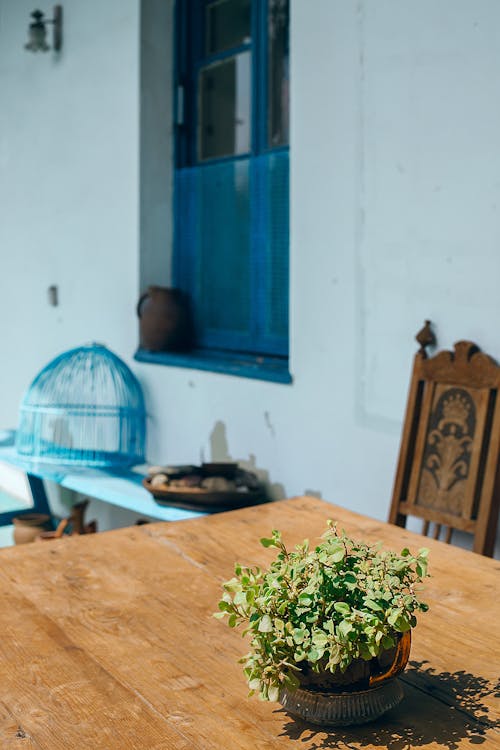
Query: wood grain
(108, 641)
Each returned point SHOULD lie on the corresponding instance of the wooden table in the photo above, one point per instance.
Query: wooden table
(107, 641)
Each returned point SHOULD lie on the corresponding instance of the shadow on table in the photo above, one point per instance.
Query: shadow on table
(458, 714)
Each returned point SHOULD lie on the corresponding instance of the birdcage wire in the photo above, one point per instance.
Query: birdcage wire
(84, 408)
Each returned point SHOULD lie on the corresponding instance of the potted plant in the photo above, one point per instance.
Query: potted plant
(329, 626)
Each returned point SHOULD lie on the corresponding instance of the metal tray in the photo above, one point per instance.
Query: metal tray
(197, 498)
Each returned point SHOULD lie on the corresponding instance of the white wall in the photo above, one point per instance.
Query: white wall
(394, 205)
(68, 187)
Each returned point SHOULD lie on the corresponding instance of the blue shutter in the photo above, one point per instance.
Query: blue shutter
(232, 243)
(231, 235)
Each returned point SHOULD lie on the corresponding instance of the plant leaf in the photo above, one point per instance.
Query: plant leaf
(265, 625)
(266, 542)
(274, 693)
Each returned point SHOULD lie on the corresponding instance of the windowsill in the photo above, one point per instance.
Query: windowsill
(273, 369)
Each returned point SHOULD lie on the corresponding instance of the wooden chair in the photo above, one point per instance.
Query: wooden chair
(448, 471)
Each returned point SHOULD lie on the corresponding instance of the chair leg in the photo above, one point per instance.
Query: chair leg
(437, 531)
(449, 532)
(425, 528)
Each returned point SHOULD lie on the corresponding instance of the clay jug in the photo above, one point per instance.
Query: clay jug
(29, 526)
(165, 320)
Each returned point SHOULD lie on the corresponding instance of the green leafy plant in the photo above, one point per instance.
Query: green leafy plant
(324, 607)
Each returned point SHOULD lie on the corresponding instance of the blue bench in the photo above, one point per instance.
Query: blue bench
(121, 487)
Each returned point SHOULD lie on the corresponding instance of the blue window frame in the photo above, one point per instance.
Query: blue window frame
(231, 235)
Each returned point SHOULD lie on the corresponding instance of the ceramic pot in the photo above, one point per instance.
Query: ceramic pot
(164, 320)
(28, 527)
(362, 694)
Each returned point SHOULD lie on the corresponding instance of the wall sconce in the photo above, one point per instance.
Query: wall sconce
(38, 32)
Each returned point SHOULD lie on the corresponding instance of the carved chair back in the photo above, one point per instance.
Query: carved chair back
(448, 469)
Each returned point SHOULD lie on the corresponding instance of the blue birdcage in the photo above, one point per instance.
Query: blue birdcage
(85, 408)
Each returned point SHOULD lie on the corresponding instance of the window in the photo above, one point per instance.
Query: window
(231, 173)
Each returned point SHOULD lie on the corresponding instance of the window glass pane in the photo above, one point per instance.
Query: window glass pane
(228, 24)
(225, 108)
(278, 81)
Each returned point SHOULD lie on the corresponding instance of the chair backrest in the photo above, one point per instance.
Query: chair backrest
(448, 469)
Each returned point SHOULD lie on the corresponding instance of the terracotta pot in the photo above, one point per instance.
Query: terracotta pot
(362, 694)
(28, 527)
(165, 320)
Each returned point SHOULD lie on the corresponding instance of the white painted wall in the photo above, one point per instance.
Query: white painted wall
(68, 187)
(395, 192)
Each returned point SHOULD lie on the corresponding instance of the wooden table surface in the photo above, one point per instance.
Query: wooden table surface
(107, 641)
